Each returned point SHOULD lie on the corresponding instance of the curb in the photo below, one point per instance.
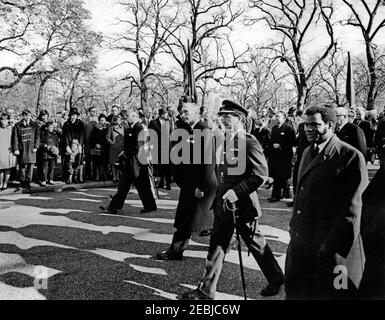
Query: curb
(61, 186)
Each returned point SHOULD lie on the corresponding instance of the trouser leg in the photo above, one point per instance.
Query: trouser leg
(29, 173)
(146, 189)
(262, 253)
(219, 243)
(277, 188)
(124, 186)
(41, 170)
(286, 188)
(22, 172)
(167, 172)
(180, 240)
(51, 169)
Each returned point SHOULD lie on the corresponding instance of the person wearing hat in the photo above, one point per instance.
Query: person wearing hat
(236, 188)
(162, 128)
(47, 154)
(25, 142)
(73, 129)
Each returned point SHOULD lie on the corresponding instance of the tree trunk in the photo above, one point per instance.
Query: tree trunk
(40, 93)
(301, 99)
(372, 74)
(143, 94)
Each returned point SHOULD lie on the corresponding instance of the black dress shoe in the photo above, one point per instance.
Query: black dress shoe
(109, 210)
(271, 289)
(290, 204)
(273, 199)
(148, 210)
(195, 295)
(169, 255)
(168, 187)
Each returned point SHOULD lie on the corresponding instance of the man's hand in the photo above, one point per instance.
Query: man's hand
(17, 153)
(276, 145)
(34, 150)
(231, 196)
(98, 146)
(199, 193)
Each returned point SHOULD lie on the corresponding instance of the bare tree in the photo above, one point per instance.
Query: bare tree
(257, 82)
(294, 21)
(147, 25)
(207, 24)
(366, 16)
(56, 30)
(328, 83)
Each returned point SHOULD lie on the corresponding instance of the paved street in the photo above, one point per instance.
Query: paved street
(59, 245)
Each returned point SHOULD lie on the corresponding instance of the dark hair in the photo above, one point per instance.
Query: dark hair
(4, 116)
(327, 113)
(43, 113)
(115, 118)
(299, 112)
(102, 116)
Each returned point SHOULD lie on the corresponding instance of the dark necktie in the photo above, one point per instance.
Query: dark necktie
(314, 151)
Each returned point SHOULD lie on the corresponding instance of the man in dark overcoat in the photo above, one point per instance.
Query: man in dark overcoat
(163, 129)
(197, 183)
(373, 237)
(25, 143)
(349, 132)
(325, 242)
(281, 157)
(379, 142)
(237, 181)
(73, 129)
(136, 168)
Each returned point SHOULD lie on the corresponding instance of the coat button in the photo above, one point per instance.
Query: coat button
(298, 211)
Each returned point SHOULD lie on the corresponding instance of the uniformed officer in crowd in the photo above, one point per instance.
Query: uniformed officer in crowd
(235, 188)
(136, 168)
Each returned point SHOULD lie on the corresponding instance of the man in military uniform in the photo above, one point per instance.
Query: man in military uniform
(136, 170)
(237, 183)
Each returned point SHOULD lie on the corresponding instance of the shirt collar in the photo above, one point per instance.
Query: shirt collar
(322, 145)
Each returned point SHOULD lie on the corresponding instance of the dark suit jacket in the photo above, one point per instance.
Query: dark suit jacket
(263, 135)
(368, 130)
(373, 236)
(327, 212)
(379, 140)
(353, 135)
(134, 140)
(280, 160)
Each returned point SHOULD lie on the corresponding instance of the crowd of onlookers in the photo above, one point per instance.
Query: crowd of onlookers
(88, 146)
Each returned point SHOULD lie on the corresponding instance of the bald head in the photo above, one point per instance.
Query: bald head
(190, 112)
(342, 116)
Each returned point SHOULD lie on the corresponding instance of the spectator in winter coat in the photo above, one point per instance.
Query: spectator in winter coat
(25, 142)
(47, 153)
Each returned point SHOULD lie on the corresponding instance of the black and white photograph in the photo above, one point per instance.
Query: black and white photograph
(167, 152)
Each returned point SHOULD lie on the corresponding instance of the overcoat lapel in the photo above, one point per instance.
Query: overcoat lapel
(307, 164)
